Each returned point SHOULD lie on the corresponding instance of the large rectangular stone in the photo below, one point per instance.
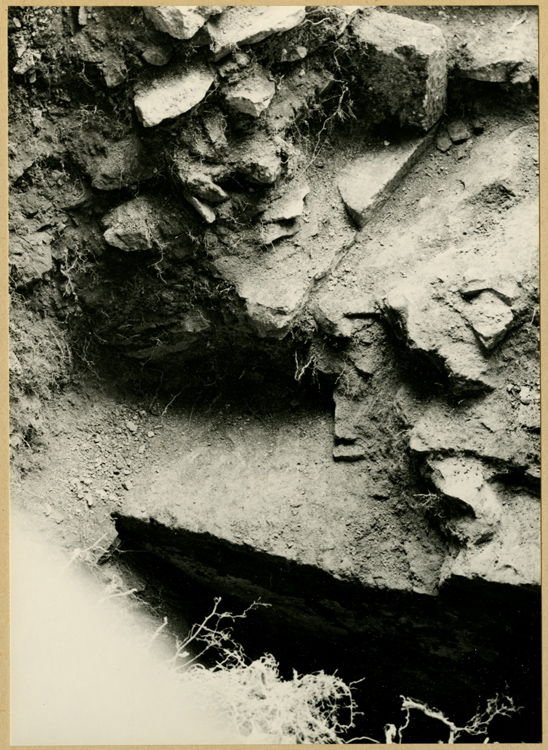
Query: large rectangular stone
(181, 21)
(172, 94)
(369, 180)
(404, 65)
(250, 24)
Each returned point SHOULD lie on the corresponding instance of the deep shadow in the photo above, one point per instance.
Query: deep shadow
(453, 651)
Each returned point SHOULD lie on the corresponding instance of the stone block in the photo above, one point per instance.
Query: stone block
(252, 94)
(287, 206)
(458, 131)
(330, 317)
(173, 93)
(181, 21)
(490, 318)
(250, 24)
(128, 228)
(403, 63)
(368, 181)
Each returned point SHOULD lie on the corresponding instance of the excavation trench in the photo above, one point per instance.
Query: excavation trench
(455, 650)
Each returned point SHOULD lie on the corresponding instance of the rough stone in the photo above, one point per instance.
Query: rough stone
(250, 24)
(114, 164)
(288, 206)
(206, 212)
(504, 285)
(214, 124)
(295, 94)
(404, 64)
(461, 479)
(458, 131)
(365, 360)
(127, 226)
(487, 428)
(252, 94)
(232, 67)
(258, 158)
(143, 224)
(199, 179)
(431, 326)
(173, 93)
(30, 257)
(443, 142)
(155, 55)
(330, 318)
(368, 181)
(512, 556)
(181, 21)
(491, 56)
(490, 318)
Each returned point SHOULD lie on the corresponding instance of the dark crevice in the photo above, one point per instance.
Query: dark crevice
(455, 650)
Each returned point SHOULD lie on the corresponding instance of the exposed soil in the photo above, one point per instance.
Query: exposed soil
(194, 386)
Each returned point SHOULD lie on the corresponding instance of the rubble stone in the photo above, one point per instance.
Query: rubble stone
(512, 556)
(288, 206)
(258, 158)
(368, 181)
(490, 318)
(157, 56)
(458, 131)
(172, 94)
(443, 142)
(431, 326)
(252, 94)
(461, 478)
(354, 452)
(181, 21)
(127, 227)
(205, 211)
(330, 318)
(142, 224)
(504, 285)
(404, 64)
(250, 24)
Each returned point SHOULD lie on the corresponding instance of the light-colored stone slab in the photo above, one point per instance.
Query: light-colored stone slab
(287, 206)
(368, 181)
(181, 21)
(250, 24)
(173, 94)
(252, 95)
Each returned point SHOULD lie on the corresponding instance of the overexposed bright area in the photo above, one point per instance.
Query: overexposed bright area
(80, 670)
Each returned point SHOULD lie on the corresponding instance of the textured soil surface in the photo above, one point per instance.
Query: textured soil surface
(282, 344)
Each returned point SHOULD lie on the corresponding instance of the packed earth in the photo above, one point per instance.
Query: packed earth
(274, 336)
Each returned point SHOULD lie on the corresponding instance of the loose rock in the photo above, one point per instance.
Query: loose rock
(490, 318)
(288, 206)
(250, 24)
(173, 93)
(458, 131)
(251, 95)
(180, 21)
